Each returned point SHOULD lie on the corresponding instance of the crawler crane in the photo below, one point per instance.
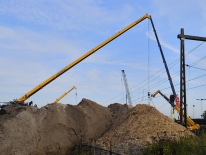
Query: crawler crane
(126, 88)
(57, 100)
(190, 124)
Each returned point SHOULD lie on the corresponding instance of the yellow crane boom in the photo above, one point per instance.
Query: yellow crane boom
(191, 124)
(53, 77)
(57, 100)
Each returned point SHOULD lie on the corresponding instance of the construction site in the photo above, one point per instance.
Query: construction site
(122, 129)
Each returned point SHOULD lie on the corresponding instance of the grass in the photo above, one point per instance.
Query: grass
(193, 145)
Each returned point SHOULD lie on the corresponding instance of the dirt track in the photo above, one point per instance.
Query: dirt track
(56, 128)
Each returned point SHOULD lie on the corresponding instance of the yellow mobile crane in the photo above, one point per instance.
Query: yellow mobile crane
(190, 124)
(57, 100)
(53, 77)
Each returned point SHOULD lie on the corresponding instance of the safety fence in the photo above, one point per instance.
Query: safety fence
(94, 150)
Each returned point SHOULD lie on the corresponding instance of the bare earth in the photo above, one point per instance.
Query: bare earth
(56, 128)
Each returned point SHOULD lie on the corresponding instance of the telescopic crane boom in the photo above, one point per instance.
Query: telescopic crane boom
(57, 100)
(53, 77)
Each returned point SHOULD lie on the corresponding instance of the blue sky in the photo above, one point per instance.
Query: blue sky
(39, 38)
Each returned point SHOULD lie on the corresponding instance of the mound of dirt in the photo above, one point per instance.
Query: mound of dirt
(118, 110)
(56, 128)
(141, 125)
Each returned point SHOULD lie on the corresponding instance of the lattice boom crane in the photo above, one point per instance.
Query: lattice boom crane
(126, 87)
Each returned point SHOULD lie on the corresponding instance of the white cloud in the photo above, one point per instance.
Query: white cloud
(162, 43)
(26, 41)
(65, 14)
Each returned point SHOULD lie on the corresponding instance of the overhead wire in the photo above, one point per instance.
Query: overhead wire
(179, 84)
(178, 91)
(174, 63)
(171, 65)
(195, 67)
(198, 61)
(140, 99)
(135, 100)
(187, 81)
(161, 82)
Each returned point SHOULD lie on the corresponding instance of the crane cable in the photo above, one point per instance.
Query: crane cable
(148, 61)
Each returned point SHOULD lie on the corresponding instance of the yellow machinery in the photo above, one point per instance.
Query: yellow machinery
(43, 84)
(57, 100)
(190, 124)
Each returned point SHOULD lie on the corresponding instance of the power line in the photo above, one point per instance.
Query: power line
(198, 61)
(171, 65)
(195, 67)
(174, 85)
(177, 91)
(178, 84)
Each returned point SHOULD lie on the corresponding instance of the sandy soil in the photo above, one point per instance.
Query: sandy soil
(56, 128)
(141, 125)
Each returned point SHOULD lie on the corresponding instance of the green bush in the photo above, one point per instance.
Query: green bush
(192, 145)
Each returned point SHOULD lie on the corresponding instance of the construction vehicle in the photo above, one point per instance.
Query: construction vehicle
(174, 95)
(53, 77)
(164, 61)
(126, 88)
(57, 100)
(191, 125)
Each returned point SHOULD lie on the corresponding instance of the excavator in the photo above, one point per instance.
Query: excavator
(22, 99)
(190, 124)
(57, 100)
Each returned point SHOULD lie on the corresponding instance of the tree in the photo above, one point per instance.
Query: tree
(204, 115)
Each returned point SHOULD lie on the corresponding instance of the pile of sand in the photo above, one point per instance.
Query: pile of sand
(56, 128)
(141, 125)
